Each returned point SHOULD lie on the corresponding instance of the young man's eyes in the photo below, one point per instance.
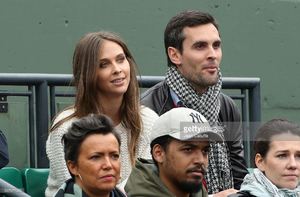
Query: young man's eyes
(204, 151)
(203, 45)
(217, 45)
(187, 150)
(200, 45)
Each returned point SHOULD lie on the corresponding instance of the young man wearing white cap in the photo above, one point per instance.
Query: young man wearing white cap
(179, 147)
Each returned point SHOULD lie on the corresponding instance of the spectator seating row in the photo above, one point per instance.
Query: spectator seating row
(32, 181)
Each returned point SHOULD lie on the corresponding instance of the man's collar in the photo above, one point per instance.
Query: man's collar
(176, 101)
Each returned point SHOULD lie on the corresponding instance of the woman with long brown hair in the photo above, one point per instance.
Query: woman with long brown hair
(104, 74)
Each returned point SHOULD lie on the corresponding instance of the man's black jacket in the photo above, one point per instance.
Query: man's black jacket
(159, 99)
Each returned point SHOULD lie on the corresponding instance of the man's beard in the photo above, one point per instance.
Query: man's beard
(201, 81)
(191, 186)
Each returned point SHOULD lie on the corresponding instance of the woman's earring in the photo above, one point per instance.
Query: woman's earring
(80, 177)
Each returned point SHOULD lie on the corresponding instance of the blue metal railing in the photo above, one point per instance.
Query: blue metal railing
(41, 94)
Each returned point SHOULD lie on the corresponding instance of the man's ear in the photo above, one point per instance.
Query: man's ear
(174, 55)
(72, 166)
(259, 162)
(158, 153)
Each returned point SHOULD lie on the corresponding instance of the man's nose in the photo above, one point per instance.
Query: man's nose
(200, 158)
(212, 54)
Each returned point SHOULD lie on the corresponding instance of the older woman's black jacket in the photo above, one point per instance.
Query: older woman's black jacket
(158, 98)
(242, 194)
(71, 189)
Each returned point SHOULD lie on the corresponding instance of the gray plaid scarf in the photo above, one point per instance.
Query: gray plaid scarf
(259, 185)
(219, 175)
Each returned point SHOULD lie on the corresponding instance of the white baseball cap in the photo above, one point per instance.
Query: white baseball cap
(184, 124)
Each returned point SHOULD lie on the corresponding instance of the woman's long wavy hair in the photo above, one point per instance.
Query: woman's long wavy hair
(85, 65)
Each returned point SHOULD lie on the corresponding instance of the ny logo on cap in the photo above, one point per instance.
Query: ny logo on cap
(196, 117)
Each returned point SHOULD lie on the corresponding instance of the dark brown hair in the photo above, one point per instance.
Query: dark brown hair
(174, 37)
(271, 128)
(164, 141)
(81, 129)
(85, 64)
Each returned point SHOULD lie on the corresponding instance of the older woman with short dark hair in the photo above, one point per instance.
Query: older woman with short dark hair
(92, 151)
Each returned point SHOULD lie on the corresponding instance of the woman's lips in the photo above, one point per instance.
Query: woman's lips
(108, 177)
(118, 81)
(290, 176)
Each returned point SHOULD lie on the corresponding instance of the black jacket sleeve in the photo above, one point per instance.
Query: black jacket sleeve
(3, 151)
(241, 194)
(231, 118)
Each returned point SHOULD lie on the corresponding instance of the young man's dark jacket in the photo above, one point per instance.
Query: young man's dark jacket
(144, 181)
(159, 99)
